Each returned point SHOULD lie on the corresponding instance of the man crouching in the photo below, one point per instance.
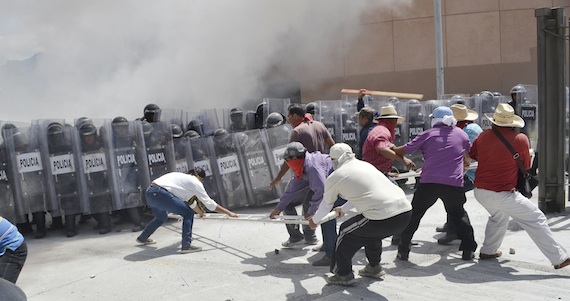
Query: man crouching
(383, 210)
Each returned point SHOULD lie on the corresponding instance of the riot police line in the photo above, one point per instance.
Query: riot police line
(97, 166)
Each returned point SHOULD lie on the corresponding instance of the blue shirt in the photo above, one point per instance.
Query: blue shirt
(363, 134)
(10, 238)
(473, 130)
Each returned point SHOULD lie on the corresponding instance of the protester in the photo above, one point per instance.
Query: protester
(445, 150)
(383, 210)
(168, 193)
(495, 188)
(306, 188)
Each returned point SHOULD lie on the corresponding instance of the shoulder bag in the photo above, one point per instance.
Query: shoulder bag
(525, 182)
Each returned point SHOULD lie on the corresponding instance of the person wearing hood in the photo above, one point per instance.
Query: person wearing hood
(306, 188)
(445, 149)
(383, 210)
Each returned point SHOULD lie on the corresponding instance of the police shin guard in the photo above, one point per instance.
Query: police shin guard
(70, 229)
(39, 219)
(135, 215)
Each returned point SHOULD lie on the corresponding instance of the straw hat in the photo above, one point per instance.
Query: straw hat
(504, 116)
(389, 112)
(461, 112)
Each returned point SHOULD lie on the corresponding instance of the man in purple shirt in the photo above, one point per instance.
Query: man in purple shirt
(445, 149)
(307, 187)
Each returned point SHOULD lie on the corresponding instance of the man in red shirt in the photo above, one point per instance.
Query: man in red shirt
(377, 147)
(495, 188)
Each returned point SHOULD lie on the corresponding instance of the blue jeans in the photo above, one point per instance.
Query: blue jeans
(328, 230)
(161, 202)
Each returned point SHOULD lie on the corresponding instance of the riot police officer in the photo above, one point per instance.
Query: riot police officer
(151, 113)
(236, 118)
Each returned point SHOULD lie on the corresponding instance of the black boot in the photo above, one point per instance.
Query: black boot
(56, 223)
(39, 219)
(104, 220)
(70, 229)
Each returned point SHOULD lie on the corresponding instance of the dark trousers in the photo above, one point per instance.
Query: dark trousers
(12, 262)
(467, 186)
(304, 198)
(358, 231)
(453, 199)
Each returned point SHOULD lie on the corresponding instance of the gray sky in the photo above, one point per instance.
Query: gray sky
(101, 59)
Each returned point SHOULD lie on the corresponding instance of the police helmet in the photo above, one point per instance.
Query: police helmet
(275, 119)
(54, 128)
(312, 108)
(220, 134)
(192, 134)
(261, 111)
(119, 120)
(87, 129)
(294, 149)
(8, 126)
(393, 100)
(152, 113)
(518, 89)
(176, 131)
(195, 125)
(457, 99)
(82, 120)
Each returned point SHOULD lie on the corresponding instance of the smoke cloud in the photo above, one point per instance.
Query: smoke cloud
(101, 59)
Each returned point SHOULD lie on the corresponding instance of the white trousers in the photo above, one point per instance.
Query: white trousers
(501, 206)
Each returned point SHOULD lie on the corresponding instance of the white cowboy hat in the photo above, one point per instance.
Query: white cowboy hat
(504, 116)
(461, 112)
(389, 112)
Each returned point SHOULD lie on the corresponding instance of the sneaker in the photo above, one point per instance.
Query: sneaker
(484, 256)
(147, 241)
(563, 264)
(312, 242)
(448, 238)
(190, 249)
(372, 272)
(341, 280)
(467, 255)
(323, 262)
(403, 256)
(318, 248)
(290, 244)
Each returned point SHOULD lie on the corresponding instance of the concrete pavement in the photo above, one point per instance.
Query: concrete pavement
(238, 262)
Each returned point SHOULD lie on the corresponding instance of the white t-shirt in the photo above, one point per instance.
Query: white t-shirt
(366, 189)
(185, 186)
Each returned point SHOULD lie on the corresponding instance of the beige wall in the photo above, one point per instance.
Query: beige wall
(488, 45)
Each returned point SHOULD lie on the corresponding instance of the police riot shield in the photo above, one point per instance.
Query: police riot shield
(8, 205)
(94, 166)
(253, 154)
(401, 130)
(416, 120)
(209, 119)
(277, 139)
(462, 99)
(173, 116)
(26, 165)
(59, 143)
(527, 109)
(279, 105)
(182, 154)
(331, 116)
(349, 122)
(486, 103)
(128, 171)
(205, 158)
(159, 148)
(228, 171)
(428, 107)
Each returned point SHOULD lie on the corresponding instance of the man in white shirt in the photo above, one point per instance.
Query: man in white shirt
(383, 210)
(168, 193)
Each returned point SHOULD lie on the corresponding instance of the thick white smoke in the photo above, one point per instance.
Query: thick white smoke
(101, 59)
